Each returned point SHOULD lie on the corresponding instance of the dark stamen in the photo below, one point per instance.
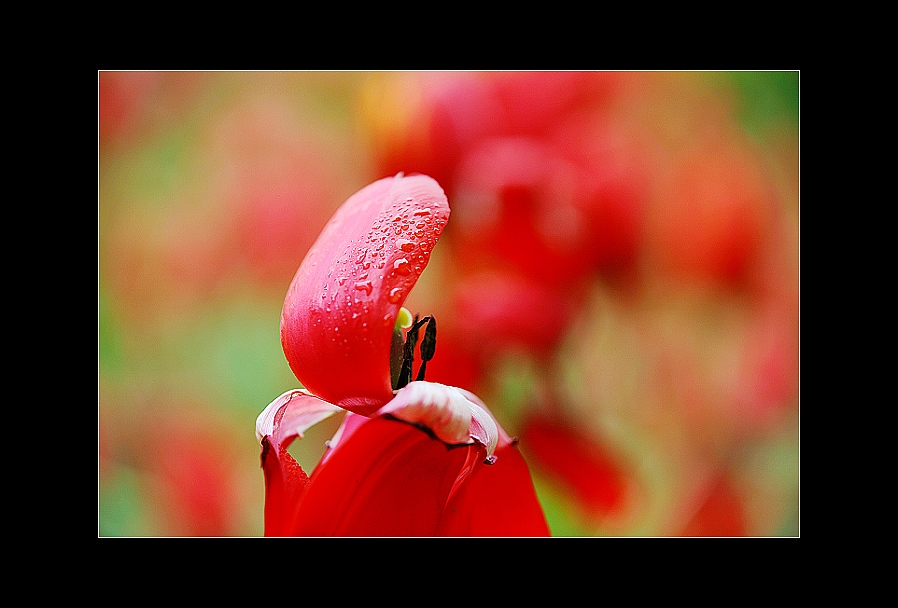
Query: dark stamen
(397, 356)
(428, 346)
(405, 373)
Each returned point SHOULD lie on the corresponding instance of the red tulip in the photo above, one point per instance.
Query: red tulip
(418, 459)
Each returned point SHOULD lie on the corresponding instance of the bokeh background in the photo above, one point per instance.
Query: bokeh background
(619, 281)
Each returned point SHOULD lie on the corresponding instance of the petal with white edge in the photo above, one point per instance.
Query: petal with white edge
(291, 414)
(446, 411)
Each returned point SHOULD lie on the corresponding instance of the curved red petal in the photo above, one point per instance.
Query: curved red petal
(285, 418)
(496, 500)
(389, 478)
(338, 316)
(285, 482)
(290, 415)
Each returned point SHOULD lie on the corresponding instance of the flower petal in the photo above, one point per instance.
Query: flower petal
(338, 316)
(286, 418)
(445, 411)
(381, 476)
(495, 500)
(291, 414)
(387, 478)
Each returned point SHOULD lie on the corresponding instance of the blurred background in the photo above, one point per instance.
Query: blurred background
(619, 281)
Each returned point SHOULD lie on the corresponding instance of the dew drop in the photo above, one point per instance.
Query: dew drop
(405, 244)
(395, 295)
(424, 211)
(401, 266)
(364, 286)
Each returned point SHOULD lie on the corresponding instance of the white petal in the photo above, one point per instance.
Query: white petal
(446, 411)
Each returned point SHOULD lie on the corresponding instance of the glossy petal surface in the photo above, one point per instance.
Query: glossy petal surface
(338, 316)
(496, 500)
(389, 478)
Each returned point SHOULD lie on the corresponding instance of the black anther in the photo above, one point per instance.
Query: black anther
(428, 346)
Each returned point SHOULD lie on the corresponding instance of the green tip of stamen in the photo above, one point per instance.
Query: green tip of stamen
(403, 319)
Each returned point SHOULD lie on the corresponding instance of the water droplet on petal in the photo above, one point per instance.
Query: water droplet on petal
(405, 244)
(364, 286)
(402, 266)
(395, 295)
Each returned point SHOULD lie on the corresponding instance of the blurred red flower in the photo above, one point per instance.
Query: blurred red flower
(715, 216)
(190, 471)
(589, 470)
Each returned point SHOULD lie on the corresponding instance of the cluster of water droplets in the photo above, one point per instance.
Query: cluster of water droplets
(414, 233)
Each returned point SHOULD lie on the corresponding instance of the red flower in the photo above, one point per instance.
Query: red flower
(411, 458)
